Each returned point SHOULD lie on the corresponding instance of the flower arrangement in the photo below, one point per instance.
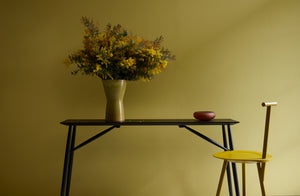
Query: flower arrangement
(114, 54)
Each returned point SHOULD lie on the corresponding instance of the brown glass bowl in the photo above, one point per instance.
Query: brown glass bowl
(204, 115)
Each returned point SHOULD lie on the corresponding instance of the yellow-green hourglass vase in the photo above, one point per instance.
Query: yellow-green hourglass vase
(114, 92)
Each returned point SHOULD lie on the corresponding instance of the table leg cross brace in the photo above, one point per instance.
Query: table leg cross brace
(204, 137)
(95, 137)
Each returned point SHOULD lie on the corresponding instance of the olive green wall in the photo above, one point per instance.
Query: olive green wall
(231, 56)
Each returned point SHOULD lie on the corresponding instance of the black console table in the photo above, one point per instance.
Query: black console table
(182, 123)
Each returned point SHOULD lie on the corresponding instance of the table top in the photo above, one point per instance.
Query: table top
(141, 122)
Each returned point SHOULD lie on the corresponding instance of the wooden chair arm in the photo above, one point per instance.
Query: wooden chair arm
(269, 104)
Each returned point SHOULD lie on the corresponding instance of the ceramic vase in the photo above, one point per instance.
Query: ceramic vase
(114, 92)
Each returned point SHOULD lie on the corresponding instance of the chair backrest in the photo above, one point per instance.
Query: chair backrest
(267, 125)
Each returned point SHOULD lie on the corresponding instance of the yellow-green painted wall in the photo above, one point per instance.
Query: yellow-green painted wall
(231, 56)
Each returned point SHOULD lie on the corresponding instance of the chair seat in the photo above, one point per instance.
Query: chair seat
(239, 156)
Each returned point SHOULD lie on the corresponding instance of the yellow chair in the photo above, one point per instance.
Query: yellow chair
(246, 157)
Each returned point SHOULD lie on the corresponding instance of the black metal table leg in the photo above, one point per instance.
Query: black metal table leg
(65, 187)
(66, 162)
(228, 167)
(71, 161)
(235, 177)
(69, 155)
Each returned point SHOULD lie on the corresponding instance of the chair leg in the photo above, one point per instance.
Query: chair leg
(225, 163)
(244, 178)
(261, 169)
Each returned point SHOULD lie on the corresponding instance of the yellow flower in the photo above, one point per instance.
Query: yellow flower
(98, 67)
(99, 57)
(163, 63)
(100, 37)
(128, 63)
(121, 44)
(138, 40)
(86, 33)
(155, 71)
(151, 51)
(140, 52)
(146, 79)
(158, 53)
(154, 53)
(131, 61)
